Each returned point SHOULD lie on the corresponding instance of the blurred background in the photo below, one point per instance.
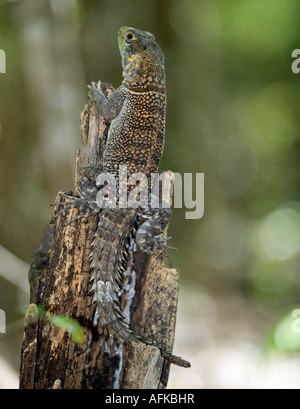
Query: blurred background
(233, 114)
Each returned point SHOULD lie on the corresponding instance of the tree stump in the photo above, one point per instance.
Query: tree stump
(52, 356)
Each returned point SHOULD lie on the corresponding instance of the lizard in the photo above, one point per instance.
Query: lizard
(137, 114)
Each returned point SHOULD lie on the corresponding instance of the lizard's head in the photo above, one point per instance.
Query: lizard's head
(142, 59)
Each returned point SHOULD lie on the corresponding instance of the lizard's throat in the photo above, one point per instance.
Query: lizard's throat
(145, 81)
(143, 74)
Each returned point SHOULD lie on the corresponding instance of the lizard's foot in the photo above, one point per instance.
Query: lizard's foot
(95, 93)
(85, 207)
(156, 245)
(85, 202)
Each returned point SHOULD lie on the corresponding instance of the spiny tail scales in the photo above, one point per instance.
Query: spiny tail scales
(107, 264)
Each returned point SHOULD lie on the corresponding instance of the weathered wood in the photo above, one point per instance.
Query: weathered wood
(29, 348)
(50, 358)
(136, 374)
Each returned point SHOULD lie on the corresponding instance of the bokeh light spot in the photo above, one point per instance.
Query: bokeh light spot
(279, 234)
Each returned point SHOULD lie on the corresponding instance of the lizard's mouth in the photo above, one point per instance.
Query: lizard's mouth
(121, 37)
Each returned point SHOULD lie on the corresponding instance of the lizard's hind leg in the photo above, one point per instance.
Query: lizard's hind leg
(85, 202)
(149, 236)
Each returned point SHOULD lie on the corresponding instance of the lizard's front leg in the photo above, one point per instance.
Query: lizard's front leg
(108, 107)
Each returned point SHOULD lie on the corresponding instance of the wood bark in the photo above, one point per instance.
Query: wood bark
(59, 282)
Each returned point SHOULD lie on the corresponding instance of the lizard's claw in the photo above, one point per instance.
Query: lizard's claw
(160, 243)
(155, 246)
(85, 208)
(62, 207)
(94, 91)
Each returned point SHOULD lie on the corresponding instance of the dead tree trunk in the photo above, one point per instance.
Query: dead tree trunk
(51, 356)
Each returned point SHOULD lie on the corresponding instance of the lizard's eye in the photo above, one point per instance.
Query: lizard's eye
(129, 37)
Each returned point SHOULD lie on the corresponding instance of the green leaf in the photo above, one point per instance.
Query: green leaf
(71, 325)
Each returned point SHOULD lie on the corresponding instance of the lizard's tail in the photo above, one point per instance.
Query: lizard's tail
(108, 256)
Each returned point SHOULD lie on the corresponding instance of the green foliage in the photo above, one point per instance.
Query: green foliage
(71, 325)
(68, 324)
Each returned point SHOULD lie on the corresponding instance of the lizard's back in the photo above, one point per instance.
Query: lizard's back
(136, 135)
